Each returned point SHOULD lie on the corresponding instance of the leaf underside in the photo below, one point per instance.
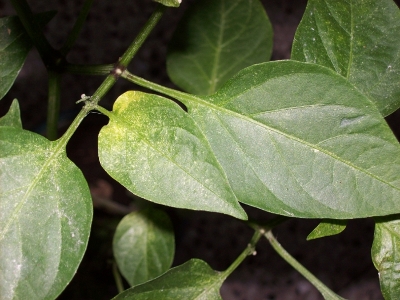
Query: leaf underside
(359, 39)
(327, 228)
(216, 39)
(302, 142)
(291, 138)
(192, 280)
(144, 245)
(155, 150)
(45, 216)
(14, 47)
(385, 255)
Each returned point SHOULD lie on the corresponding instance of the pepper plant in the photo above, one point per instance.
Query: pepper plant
(299, 138)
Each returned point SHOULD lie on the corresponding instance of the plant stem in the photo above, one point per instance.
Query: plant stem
(80, 21)
(268, 225)
(47, 53)
(325, 291)
(53, 108)
(87, 69)
(250, 250)
(143, 34)
(117, 278)
(181, 96)
(75, 123)
(128, 55)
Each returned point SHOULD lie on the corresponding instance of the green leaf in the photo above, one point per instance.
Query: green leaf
(154, 148)
(386, 255)
(13, 117)
(144, 245)
(327, 228)
(171, 3)
(359, 39)
(215, 40)
(45, 216)
(297, 139)
(192, 280)
(14, 47)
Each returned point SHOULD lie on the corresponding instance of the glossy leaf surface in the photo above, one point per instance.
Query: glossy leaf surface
(156, 150)
(215, 40)
(144, 245)
(359, 39)
(327, 228)
(45, 216)
(297, 139)
(192, 280)
(386, 255)
(14, 47)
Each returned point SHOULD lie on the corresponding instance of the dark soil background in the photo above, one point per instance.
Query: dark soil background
(343, 262)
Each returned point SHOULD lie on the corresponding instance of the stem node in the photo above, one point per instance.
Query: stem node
(118, 70)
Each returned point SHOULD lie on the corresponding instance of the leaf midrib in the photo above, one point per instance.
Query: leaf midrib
(58, 148)
(203, 102)
(217, 52)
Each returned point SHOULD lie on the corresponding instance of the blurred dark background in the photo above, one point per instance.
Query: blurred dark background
(343, 262)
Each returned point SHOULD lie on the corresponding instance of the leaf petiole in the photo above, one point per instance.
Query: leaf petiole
(126, 58)
(250, 250)
(324, 290)
(80, 21)
(53, 108)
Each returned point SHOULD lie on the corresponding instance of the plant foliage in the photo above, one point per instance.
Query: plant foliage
(303, 138)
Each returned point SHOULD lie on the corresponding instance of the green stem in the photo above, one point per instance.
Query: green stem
(80, 21)
(117, 278)
(185, 98)
(49, 56)
(53, 108)
(128, 55)
(268, 225)
(250, 250)
(325, 291)
(89, 106)
(143, 34)
(104, 111)
(87, 69)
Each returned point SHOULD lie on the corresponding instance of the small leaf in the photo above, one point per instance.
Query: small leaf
(215, 40)
(298, 139)
(144, 245)
(327, 228)
(385, 255)
(359, 40)
(154, 148)
(192, 280)
(14, 47)
(171, 3)
(45, 216)
(13, 117)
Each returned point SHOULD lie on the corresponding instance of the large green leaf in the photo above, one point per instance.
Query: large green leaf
(297, 139)
(144, 245)
(359, 39)
(45, 216)
(155, 149)
(215, 40)
(386, 255)
(14, 47)
(192, 280)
